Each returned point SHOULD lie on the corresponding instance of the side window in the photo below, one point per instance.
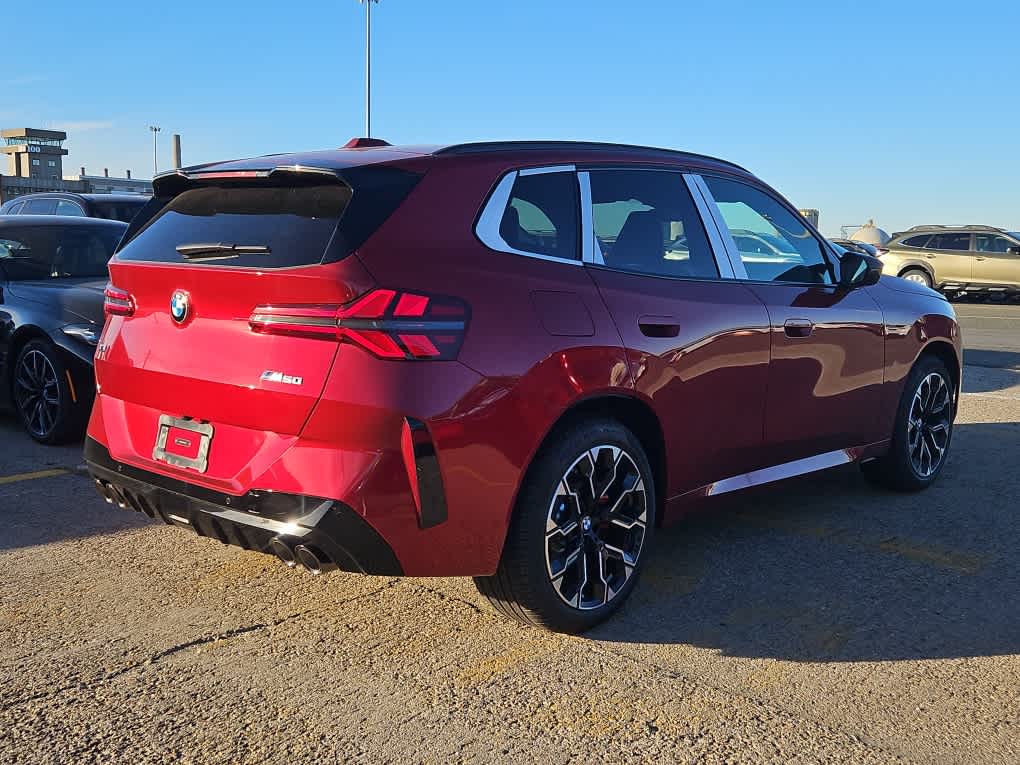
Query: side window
(542, 215)
(69, 208)
(26, 254)
(40, 207)
(917, 241)
(991, 243)
(16, 208)
(646, 221)
(950, 242)
(773, 242)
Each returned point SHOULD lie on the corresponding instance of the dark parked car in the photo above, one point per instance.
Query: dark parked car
(52, 275)
(511, 361)
(122, 207)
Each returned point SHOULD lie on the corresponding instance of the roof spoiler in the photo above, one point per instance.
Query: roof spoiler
(172, 180)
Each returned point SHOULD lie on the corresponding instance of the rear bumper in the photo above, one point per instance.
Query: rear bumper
(251, 521)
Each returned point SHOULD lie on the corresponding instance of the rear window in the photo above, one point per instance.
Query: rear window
(292, 224)
(122, 211)
(273, 225)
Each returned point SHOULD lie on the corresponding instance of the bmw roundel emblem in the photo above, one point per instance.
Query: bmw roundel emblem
(180, 306)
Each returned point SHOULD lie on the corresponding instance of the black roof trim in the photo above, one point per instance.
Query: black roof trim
(483, 147)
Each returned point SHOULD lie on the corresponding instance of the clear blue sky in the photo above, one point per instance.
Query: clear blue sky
(901, 110)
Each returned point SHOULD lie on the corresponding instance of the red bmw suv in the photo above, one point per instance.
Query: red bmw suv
(512, 361)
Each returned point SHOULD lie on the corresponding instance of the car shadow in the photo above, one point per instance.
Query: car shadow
(830, 569)
(44, 497)
(978, 357)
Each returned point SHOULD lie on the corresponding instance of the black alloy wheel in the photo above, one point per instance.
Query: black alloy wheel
(42, 395)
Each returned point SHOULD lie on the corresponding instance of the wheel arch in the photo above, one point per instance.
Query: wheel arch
(944, 351)
(21, 337)
(915, 265)
(634, 414)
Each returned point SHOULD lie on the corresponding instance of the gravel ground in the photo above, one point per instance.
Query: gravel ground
(823, 622)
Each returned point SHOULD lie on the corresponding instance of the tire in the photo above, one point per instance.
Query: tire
(42, 396)
(622, 521)
(904, 468)
(918, 275)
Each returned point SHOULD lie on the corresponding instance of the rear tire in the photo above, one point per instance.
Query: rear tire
(922, 433)
(918, 276)
(571, 558)
(42, 396)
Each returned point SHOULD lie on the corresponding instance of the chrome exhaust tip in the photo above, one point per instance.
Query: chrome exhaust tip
(282, 550)
(104, 490)
(313, 560)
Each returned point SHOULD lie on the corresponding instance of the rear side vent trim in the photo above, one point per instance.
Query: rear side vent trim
(422, 465)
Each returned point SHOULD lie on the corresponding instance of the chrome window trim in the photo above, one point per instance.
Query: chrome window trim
(487, 227)
(591, 250)
(710, 223)
(729, 246)
(549, 169)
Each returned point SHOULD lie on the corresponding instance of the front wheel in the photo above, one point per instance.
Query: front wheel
(917, 276)
(580, 531)
(42, 395)
(922, 432)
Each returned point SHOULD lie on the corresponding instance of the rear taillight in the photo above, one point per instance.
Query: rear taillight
(118, 302)
(881, 252)
(387, 323)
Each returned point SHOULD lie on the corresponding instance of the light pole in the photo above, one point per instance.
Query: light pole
(368, 66)
(155, 167)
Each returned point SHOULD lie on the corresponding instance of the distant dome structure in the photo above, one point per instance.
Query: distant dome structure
(869, 233)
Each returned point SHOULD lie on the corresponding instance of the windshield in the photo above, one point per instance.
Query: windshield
(57, 252)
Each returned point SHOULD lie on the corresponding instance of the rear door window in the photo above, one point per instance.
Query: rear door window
(645, 221)
(40, 207)
(15, 209)
(917, 241)
(541, 216)
(954, 241)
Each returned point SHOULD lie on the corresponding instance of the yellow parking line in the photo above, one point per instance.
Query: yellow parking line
(32, 476)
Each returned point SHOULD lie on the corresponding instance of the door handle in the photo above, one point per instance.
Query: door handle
(659, 326)
(798, 327)
(978, 258)
(929, 256)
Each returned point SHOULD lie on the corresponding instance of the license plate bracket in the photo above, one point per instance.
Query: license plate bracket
(175, 442)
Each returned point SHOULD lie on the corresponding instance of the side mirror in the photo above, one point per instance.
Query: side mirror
(857, 270)
(1015, 250)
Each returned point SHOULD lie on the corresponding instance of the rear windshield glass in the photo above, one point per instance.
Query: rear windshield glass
(122, 211)
(57, 252)
(270, 226)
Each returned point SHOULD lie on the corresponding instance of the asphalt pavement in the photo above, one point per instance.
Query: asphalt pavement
(822, 621)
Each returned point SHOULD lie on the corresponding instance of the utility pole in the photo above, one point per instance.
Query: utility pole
(368, 66)
(155, 166)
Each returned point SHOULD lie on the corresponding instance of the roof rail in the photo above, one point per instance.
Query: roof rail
(938, 227)
(482, 147)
